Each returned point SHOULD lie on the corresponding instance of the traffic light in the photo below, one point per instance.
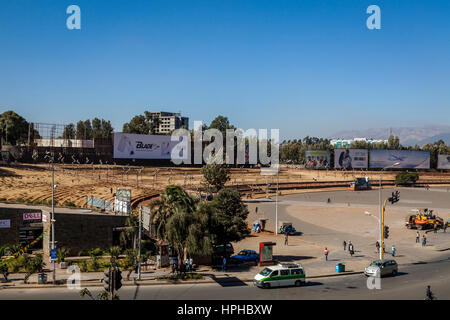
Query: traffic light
(107, 280)
(386, 232)
(117, 279)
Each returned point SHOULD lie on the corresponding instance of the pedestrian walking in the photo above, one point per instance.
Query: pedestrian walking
(191, 264)
(378, 246)
(326, 254)
(344, 244)
(224, 264)
(435, 228)
(445, 227)
(384, 247)
(351, 249)
(424, 241)
(172, 264)
(417, 237)
(286, 235)
(393, 250)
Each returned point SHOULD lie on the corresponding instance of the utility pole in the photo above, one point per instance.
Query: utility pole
(140, 236)
(53, 219)
(276, 203)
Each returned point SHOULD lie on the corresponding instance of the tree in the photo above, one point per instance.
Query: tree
(221, 123)
(69, 132)
(216, 176)
(114, 252)
(393, 142)
(13, 128)
(61, 254)
(142, 124)
(131, 231)
(32, 265)
(95, 254)
(228, 221)
(84, 130)
(188, 234)
(131, 261)
(174, 199)
(406, 178)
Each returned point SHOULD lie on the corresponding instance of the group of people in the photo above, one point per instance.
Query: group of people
(424, 239)
(378, 246)
(186, 266)
(351, 248)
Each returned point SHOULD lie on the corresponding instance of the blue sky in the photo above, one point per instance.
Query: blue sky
(305, 67)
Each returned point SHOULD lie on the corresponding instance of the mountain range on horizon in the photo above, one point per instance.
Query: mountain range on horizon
(409, 136)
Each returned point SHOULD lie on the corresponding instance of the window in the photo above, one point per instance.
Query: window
(284, 272)
(274, 274)
(296, 271)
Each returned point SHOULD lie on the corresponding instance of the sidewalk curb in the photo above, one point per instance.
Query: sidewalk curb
(98, 283)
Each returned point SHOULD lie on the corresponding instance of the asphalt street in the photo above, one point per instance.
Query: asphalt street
(410, 283)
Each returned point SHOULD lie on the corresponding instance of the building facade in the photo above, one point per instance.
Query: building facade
(345, 143)
(169, 121)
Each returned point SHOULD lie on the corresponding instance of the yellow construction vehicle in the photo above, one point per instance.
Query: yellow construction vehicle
(423, 219)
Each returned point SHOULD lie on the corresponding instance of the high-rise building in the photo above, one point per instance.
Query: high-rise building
(169, 121)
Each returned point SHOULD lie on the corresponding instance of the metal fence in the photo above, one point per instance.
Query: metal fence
(100, 203)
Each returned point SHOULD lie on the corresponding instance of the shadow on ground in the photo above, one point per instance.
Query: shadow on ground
(227, 281)
(291, 258)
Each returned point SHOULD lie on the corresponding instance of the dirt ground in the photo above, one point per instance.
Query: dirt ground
(31, 184)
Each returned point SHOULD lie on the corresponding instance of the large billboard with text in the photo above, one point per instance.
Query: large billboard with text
(351, 158)
(146, 146)
(317, 159)
(443, 161)
(407, 159)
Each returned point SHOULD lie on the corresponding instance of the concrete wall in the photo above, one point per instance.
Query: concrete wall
(82, 231)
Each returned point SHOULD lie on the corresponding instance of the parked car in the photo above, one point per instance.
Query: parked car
(247, 256)
(384, 267)
(284, 226)
(221, 250)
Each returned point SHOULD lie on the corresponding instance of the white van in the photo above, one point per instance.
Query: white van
(287, 274)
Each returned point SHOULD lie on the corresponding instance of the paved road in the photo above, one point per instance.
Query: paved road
(409, 284)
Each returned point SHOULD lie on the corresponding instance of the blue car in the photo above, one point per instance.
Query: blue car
(246, 256)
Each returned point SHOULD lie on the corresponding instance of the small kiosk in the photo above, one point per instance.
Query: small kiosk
(265, 253)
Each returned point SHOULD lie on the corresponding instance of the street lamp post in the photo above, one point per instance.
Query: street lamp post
(381, 220)
(53, 219)
(140, 236)
(276, 204)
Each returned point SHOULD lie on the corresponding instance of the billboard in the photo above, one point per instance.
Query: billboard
(317, 159)
(351, 158)
(406, 158)
(443, 161)
(146, 146)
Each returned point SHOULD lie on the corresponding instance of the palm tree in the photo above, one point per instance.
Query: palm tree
(114, 252)
(172, 201)
(130, 233)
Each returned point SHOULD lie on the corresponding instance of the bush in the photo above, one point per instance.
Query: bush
(61, 254)
(406, 178)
